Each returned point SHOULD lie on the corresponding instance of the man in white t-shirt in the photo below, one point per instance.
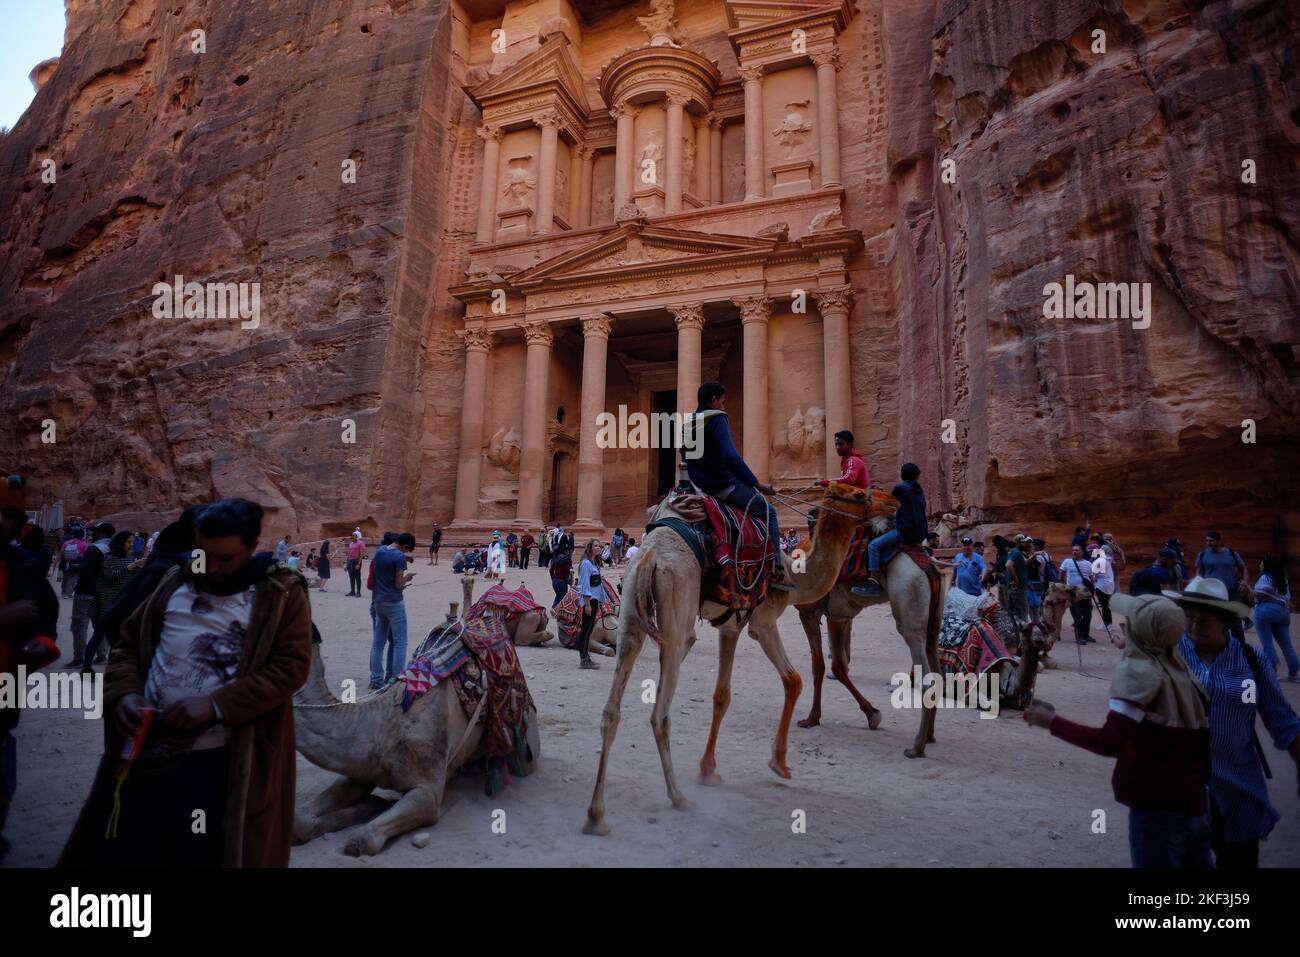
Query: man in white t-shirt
(1076, 571)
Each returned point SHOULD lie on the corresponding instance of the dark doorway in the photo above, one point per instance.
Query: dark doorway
(665, 459)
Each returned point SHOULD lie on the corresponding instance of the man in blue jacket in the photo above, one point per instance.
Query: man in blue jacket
(910, 526)
(721, 472)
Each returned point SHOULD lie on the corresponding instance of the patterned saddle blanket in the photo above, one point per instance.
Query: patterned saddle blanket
(568, 614)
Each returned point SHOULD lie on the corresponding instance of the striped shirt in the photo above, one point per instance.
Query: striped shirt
(1237, 780)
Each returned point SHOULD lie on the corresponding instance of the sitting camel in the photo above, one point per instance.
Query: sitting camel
(841, 606)
(375, 744)
(527, 629)
(661, 598)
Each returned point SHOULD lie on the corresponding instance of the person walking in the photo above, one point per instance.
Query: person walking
(1017, 577)
(356, 554)
(217, 656)
(968, 568)
(616, 546)
(323, 564)
(282, 549)
(591, 590)
(83, 595)
(1076, 571)
(435, 543)
(561, 569)
(1103, 578)
(1273, 614)
(526, 542)
(1224, 564)
(115, 574)
(388, 647)
(1240, 813)
(1157, 577)
(1158, 730)
(71, 554)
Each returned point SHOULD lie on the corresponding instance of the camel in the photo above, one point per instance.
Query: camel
(661, 598)
(374, 744)
(527, 629)
(841, 606)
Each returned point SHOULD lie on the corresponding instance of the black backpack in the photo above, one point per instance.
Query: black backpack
(1257, 669)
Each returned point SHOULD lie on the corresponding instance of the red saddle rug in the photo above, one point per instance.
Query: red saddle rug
(568, 616)
(855, 562)
(742, 556)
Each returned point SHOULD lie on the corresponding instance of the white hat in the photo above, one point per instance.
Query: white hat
(1211, 593)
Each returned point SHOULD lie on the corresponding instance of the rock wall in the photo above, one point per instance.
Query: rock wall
(225, 164)
(1117, 166)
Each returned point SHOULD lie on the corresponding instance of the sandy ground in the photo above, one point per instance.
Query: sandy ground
(988, 793)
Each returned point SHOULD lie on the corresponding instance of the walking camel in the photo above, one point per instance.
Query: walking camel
(661, 598)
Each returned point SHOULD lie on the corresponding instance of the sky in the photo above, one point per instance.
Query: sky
(30, 31)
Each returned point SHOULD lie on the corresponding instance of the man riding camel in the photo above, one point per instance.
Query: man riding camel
(853, 470)
(910, 528)
(719, 471)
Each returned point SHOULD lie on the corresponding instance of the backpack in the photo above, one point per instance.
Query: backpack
(1050, 572)
(1256, 669)
(1146, 581)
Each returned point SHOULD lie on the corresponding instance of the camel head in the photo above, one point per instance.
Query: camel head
(1058, 598)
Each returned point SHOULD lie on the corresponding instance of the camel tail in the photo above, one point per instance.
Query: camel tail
(638, 595)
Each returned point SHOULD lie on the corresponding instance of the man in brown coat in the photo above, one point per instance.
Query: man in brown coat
(210, 662)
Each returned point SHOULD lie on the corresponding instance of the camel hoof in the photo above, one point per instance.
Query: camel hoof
(873, 718)
(596, 826)
(780, 769)
(710, 778)
(360, 844)
(681, 804)
(810, 722)
(914, 753)
(930, 739)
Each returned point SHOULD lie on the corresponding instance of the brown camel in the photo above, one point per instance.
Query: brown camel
(661, 598)
(527, 629)
(841, 606)
(375, 744)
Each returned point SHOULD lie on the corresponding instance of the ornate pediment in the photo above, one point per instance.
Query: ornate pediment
(548, 73)
(634, 247)
(755, 13)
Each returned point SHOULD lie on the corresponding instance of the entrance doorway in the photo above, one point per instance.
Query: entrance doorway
(665, 461)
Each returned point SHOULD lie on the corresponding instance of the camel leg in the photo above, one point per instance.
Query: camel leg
(670, 661)
(418, 807)
(628, 649)
(333, 809)
(841, 634)
(727, 638)
(770, 640)
(811, 619)
(924, 733)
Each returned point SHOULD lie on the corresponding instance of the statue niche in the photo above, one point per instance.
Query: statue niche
(503, 449)
(794, 129)
(799, 451)
(519, 181)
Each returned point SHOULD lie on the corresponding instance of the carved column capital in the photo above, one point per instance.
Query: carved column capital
(477, 340)
(537, 332)
(486, 133)
(677, 98)
(754, 308)
(828, 57)
(622, 109)
(834, 299)
(750, 74)
(548, 119)
(714, 120)
(598, 326)
(688, 316)
(586, 152)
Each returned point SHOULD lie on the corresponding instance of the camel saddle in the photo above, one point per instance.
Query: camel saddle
(731, 546)
(568, 615)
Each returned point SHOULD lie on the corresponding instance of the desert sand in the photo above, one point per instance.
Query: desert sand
(988, 793)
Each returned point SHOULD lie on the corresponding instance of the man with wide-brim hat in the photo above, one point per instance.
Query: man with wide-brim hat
(1240, 812)
(1209, 593)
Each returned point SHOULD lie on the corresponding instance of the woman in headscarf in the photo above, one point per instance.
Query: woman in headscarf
(1240, 813)
(1158, 730)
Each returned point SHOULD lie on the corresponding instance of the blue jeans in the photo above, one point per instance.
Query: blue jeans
(1169, 839)
(1273, 623)
(873, 549)
(749, 499)
(390, 630)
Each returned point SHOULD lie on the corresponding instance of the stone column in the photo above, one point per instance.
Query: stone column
(834, 306)
(591, 479)
(575, 186)
(624, 162)
(487, 199)
(702, 147)
(469, 467)
(550, 124)
(584, 196)
(828, 116)
(715, 159)
(673, 152)
(755, 187)
(755, 311)
(532, 458)
(690, 335)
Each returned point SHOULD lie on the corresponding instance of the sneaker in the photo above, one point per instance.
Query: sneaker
(74, 663)
(589, 665)
(868, 589)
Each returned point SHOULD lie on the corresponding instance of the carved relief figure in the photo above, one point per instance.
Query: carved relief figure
(793, 129)
(503, 449)
(826, 219)
(688, 161)
(800, 448)
(659, 24)
(562, 188)
(518, 181)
